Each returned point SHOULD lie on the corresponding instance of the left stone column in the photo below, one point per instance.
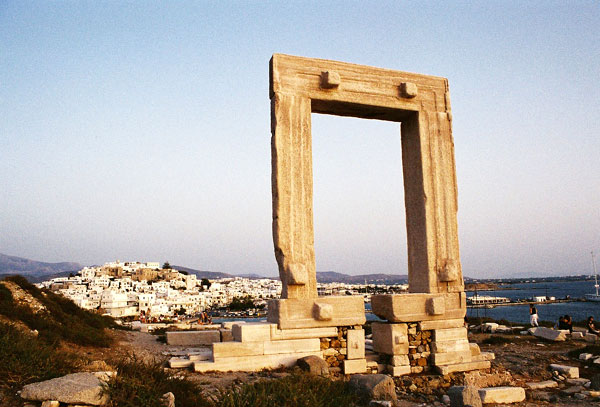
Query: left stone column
(292, 189)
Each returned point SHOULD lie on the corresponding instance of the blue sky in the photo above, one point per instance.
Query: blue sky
(141, 131)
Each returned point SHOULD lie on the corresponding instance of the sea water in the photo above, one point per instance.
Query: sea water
(578, 310)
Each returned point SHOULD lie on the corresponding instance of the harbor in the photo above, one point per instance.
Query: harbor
(552, 300)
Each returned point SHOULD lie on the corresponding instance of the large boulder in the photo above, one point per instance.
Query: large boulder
(549, 334)
(374, 386)
(314, 365)
(76, 388)
(464, 396)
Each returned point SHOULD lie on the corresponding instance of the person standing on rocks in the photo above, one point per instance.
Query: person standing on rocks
(533, 315)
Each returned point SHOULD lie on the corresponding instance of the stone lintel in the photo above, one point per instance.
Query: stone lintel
(416, 307)
(292, 313)
(356, 84)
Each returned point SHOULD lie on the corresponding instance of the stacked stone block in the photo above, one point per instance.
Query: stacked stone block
(409, 346)
(257, 346)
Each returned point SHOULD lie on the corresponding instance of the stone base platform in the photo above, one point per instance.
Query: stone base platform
(258, 346)
(442, 346)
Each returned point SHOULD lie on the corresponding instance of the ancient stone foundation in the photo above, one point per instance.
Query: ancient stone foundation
(263, 345)
(437, 344)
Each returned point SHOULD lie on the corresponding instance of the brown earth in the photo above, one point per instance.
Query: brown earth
(523, 358)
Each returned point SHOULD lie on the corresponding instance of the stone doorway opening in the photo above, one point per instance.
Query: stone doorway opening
(359, 215)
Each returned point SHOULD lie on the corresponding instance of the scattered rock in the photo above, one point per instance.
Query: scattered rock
(580, 396)
(541, 396)
(168, 399)
(375, 386)
(481, 379)
(464, 396)
(585, 356)
(446, 399)
(50, 403)
(381, 403)
(314, 365)
(578, 381)
(572, 390)
(549, 334)
(542, 385)
(504, 394)
(568, 371)
(76, 388)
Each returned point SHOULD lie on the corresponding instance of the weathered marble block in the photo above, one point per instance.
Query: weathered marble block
(418, 307)
(294, 313)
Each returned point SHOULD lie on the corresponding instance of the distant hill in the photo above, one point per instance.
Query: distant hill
(253, 276)
(37, 271)
(333, 277)
(203, 274)
(34, 269)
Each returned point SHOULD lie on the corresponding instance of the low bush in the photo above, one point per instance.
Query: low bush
(140, 383)
(296, 390)
(63, 320)
(25, 359)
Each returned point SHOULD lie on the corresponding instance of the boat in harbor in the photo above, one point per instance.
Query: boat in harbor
(594, 297)
(486, 300)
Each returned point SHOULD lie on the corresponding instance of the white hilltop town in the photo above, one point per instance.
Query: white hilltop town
(147, 291)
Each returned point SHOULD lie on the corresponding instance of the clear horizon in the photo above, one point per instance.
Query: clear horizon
(141, 131)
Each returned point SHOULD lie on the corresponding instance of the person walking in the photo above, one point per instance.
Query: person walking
(533, 315)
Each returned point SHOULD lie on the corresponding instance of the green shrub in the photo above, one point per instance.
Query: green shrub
(26, 359)
(140, 383)
(63, 320)
(296, 390)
